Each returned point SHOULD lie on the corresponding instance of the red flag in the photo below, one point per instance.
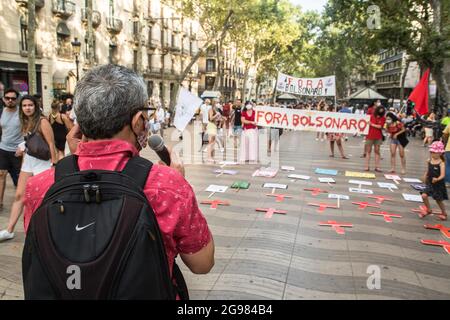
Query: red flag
(420, 94)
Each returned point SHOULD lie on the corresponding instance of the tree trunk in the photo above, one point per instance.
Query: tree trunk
(402, 88)
(244, 86)
(32, 88)
(218, 80)
(90, 33)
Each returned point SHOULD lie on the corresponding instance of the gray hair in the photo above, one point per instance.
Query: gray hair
(106, 99)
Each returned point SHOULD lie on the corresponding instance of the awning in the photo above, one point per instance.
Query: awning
(62, 29)
(366, 94)
(60, 76)
(286, 96)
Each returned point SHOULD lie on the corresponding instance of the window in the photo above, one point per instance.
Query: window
(135, 28)
(135, 58)
(161, 93)
(23, 35)
(150, 88)
(149, 61)
(87, 49)
(210, 65)
(113, 50)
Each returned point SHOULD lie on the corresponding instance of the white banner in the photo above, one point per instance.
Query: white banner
(308, 120)
(324, 87)
(187, 104)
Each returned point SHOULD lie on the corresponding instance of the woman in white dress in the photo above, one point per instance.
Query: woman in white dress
(249, 137)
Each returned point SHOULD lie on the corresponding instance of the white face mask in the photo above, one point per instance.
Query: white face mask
(249, 107)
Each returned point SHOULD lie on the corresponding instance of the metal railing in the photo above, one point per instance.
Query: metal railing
(96, 17)
(38, 3)
(63, 8)
(114, 25)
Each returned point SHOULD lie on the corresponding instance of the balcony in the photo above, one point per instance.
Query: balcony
(38, 3)
(24, 51)
(153, 43)
(153, 72)
(63, 8)
(96, 17)
(167, 72)
(114, 25)
(175, 48)
(186, 51)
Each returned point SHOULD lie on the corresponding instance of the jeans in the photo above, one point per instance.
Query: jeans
(447, 166)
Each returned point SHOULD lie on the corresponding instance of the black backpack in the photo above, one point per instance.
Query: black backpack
(95, 236)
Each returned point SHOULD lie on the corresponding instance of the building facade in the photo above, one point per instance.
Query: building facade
(149, 36)
(388, 81)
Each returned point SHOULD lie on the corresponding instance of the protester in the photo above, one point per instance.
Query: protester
(213, 118)
(322, 106)
(434, 180)
(398, 140)
(31, 121)
(67, 107)
(159, 120)
(226, 109)
(429, 131)
(445, 137)
(11, 137)
(236, 120)
(204, 111)
(61, 125)
(375, 137)
(249, 137)
(108, 145)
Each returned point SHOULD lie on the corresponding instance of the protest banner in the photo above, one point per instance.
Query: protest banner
(318, 87)
(308, 120)
(185, 109)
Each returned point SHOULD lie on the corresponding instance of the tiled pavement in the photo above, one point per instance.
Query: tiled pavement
(290, 256)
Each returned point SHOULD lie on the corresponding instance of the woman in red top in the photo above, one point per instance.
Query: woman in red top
(375, 137)
(396, 128)
(249, 137)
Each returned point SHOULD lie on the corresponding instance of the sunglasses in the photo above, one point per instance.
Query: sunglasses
(10, 98)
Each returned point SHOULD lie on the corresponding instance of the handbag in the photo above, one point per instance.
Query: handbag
(36, 145)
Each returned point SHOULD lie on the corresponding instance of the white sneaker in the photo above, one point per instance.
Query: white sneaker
(5, 235)
(317, 139)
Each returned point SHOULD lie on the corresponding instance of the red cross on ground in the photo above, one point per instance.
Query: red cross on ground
(270, 212)
(445, 231)
(363, 205)
(279, 197)
(322, 206)
(315, 191)
(441, 243)
(215, 203)
(337, 226)
(387, 216)
(381, 199)
(423, 210)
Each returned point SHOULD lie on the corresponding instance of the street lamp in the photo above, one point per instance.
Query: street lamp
(76, 46)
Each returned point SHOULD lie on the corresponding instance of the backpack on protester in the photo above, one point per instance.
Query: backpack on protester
(95, 236)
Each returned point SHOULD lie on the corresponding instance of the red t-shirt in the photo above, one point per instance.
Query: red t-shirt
(374, 133)
(249, 118)
(183, 226)
(226, 109)
(370, 111)
(393, 129)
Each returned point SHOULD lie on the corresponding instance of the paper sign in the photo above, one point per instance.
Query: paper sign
(327, 171)
(338, 196)
(386, 185)
(240, 185)
(187, 104)
(216, 188)
(363, 191)
(360, 182)
(275, 185)
(392, 177)
(359, 174)
(228, 163)
(327, 180)
(412, 180)
(231, 172)
(418, 186)
(265, 172)
(287, 168)
(412, 197)
(299, 176)
(323, 87)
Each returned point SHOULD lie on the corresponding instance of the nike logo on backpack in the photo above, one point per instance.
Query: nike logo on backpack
(77, 228)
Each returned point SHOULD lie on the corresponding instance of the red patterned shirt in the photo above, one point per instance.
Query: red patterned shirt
(183, 226)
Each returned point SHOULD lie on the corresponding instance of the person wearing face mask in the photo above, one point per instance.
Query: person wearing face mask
(398, 140)
(375, 137)
(249, 137)
(118, 94)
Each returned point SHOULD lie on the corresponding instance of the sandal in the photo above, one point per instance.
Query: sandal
(367, 169)
(346, 158)
(378, 170)
(331, 155)
(423, 215)
(441, 217)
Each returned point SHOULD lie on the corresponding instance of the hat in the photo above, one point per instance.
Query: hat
(437, 147)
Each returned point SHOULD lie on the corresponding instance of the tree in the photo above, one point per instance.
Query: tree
(31, 46)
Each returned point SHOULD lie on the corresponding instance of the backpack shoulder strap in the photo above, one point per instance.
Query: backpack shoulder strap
(65, 166)
(138, 168)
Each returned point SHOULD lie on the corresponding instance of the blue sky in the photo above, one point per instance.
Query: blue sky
(306, 5)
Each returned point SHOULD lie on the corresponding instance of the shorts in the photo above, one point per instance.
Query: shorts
(237, 130)
(374, 142)
(211, 129)
(395, 141)
(428, 132)
(34, 165)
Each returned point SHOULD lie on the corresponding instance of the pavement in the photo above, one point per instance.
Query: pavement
(290, 256)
